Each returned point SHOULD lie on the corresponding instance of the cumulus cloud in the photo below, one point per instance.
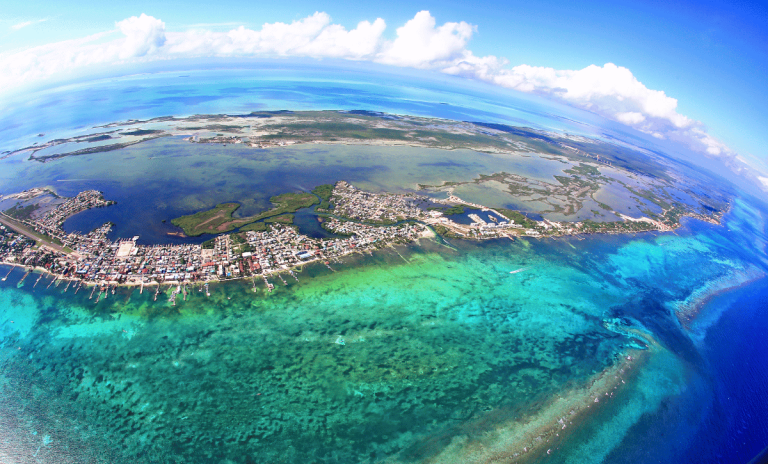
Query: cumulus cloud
(314, 36)
(143, 34)
(420, 44)
(609, 90)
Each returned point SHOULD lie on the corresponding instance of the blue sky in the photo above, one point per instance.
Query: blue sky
(711, 57)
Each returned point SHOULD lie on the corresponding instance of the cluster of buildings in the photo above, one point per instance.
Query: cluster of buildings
(93, 258)
(96, 259)
(365, 235)
(258, 143)
(50, 223)
(351, 202)
(14, 246)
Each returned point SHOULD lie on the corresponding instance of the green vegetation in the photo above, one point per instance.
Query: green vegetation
(90, 150)
(213, 221)
(288, 203)
(336, 126)
(255, 226)
(617, 226)
(650, 196)
(218, 127)
(208, 244)
(98, 138)
(282, 219)
(38, 237)
(23, 212)
(583, 169)
(604, 206)
(324, 192)
(444, 231)
(219, 219)
(517, 217)
(140, 132)
(457, 209)
(444, 184)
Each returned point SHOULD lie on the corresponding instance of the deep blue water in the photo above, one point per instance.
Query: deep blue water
(721, 416)
(704, 399)
(736, 427)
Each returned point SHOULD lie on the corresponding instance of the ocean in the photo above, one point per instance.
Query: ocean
(604, 348)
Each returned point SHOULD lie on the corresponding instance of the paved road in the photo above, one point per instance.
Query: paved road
(22, 229)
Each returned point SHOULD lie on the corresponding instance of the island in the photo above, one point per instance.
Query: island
(267, 245)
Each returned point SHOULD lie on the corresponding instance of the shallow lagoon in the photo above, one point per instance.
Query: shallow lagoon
(156, 181)
(440, 355)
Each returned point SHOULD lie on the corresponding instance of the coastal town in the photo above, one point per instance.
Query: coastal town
(360, 222)
(93, 260)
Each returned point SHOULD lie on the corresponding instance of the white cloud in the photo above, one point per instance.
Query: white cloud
(609, 90)
(420, 44)
(313, 36)
(21, 25)
(143, 34)
(18, 26)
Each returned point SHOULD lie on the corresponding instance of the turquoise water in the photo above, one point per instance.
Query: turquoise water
(422, 355)
(635, 348)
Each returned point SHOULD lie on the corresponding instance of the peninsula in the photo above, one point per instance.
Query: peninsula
(267, 244)
(362, 222)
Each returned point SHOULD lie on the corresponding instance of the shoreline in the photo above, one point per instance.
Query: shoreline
(428, 232)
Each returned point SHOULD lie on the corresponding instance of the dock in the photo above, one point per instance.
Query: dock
(23, 277)
(9, 273)
(269, 285)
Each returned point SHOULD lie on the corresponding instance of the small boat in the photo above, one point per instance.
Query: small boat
(518, 270)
